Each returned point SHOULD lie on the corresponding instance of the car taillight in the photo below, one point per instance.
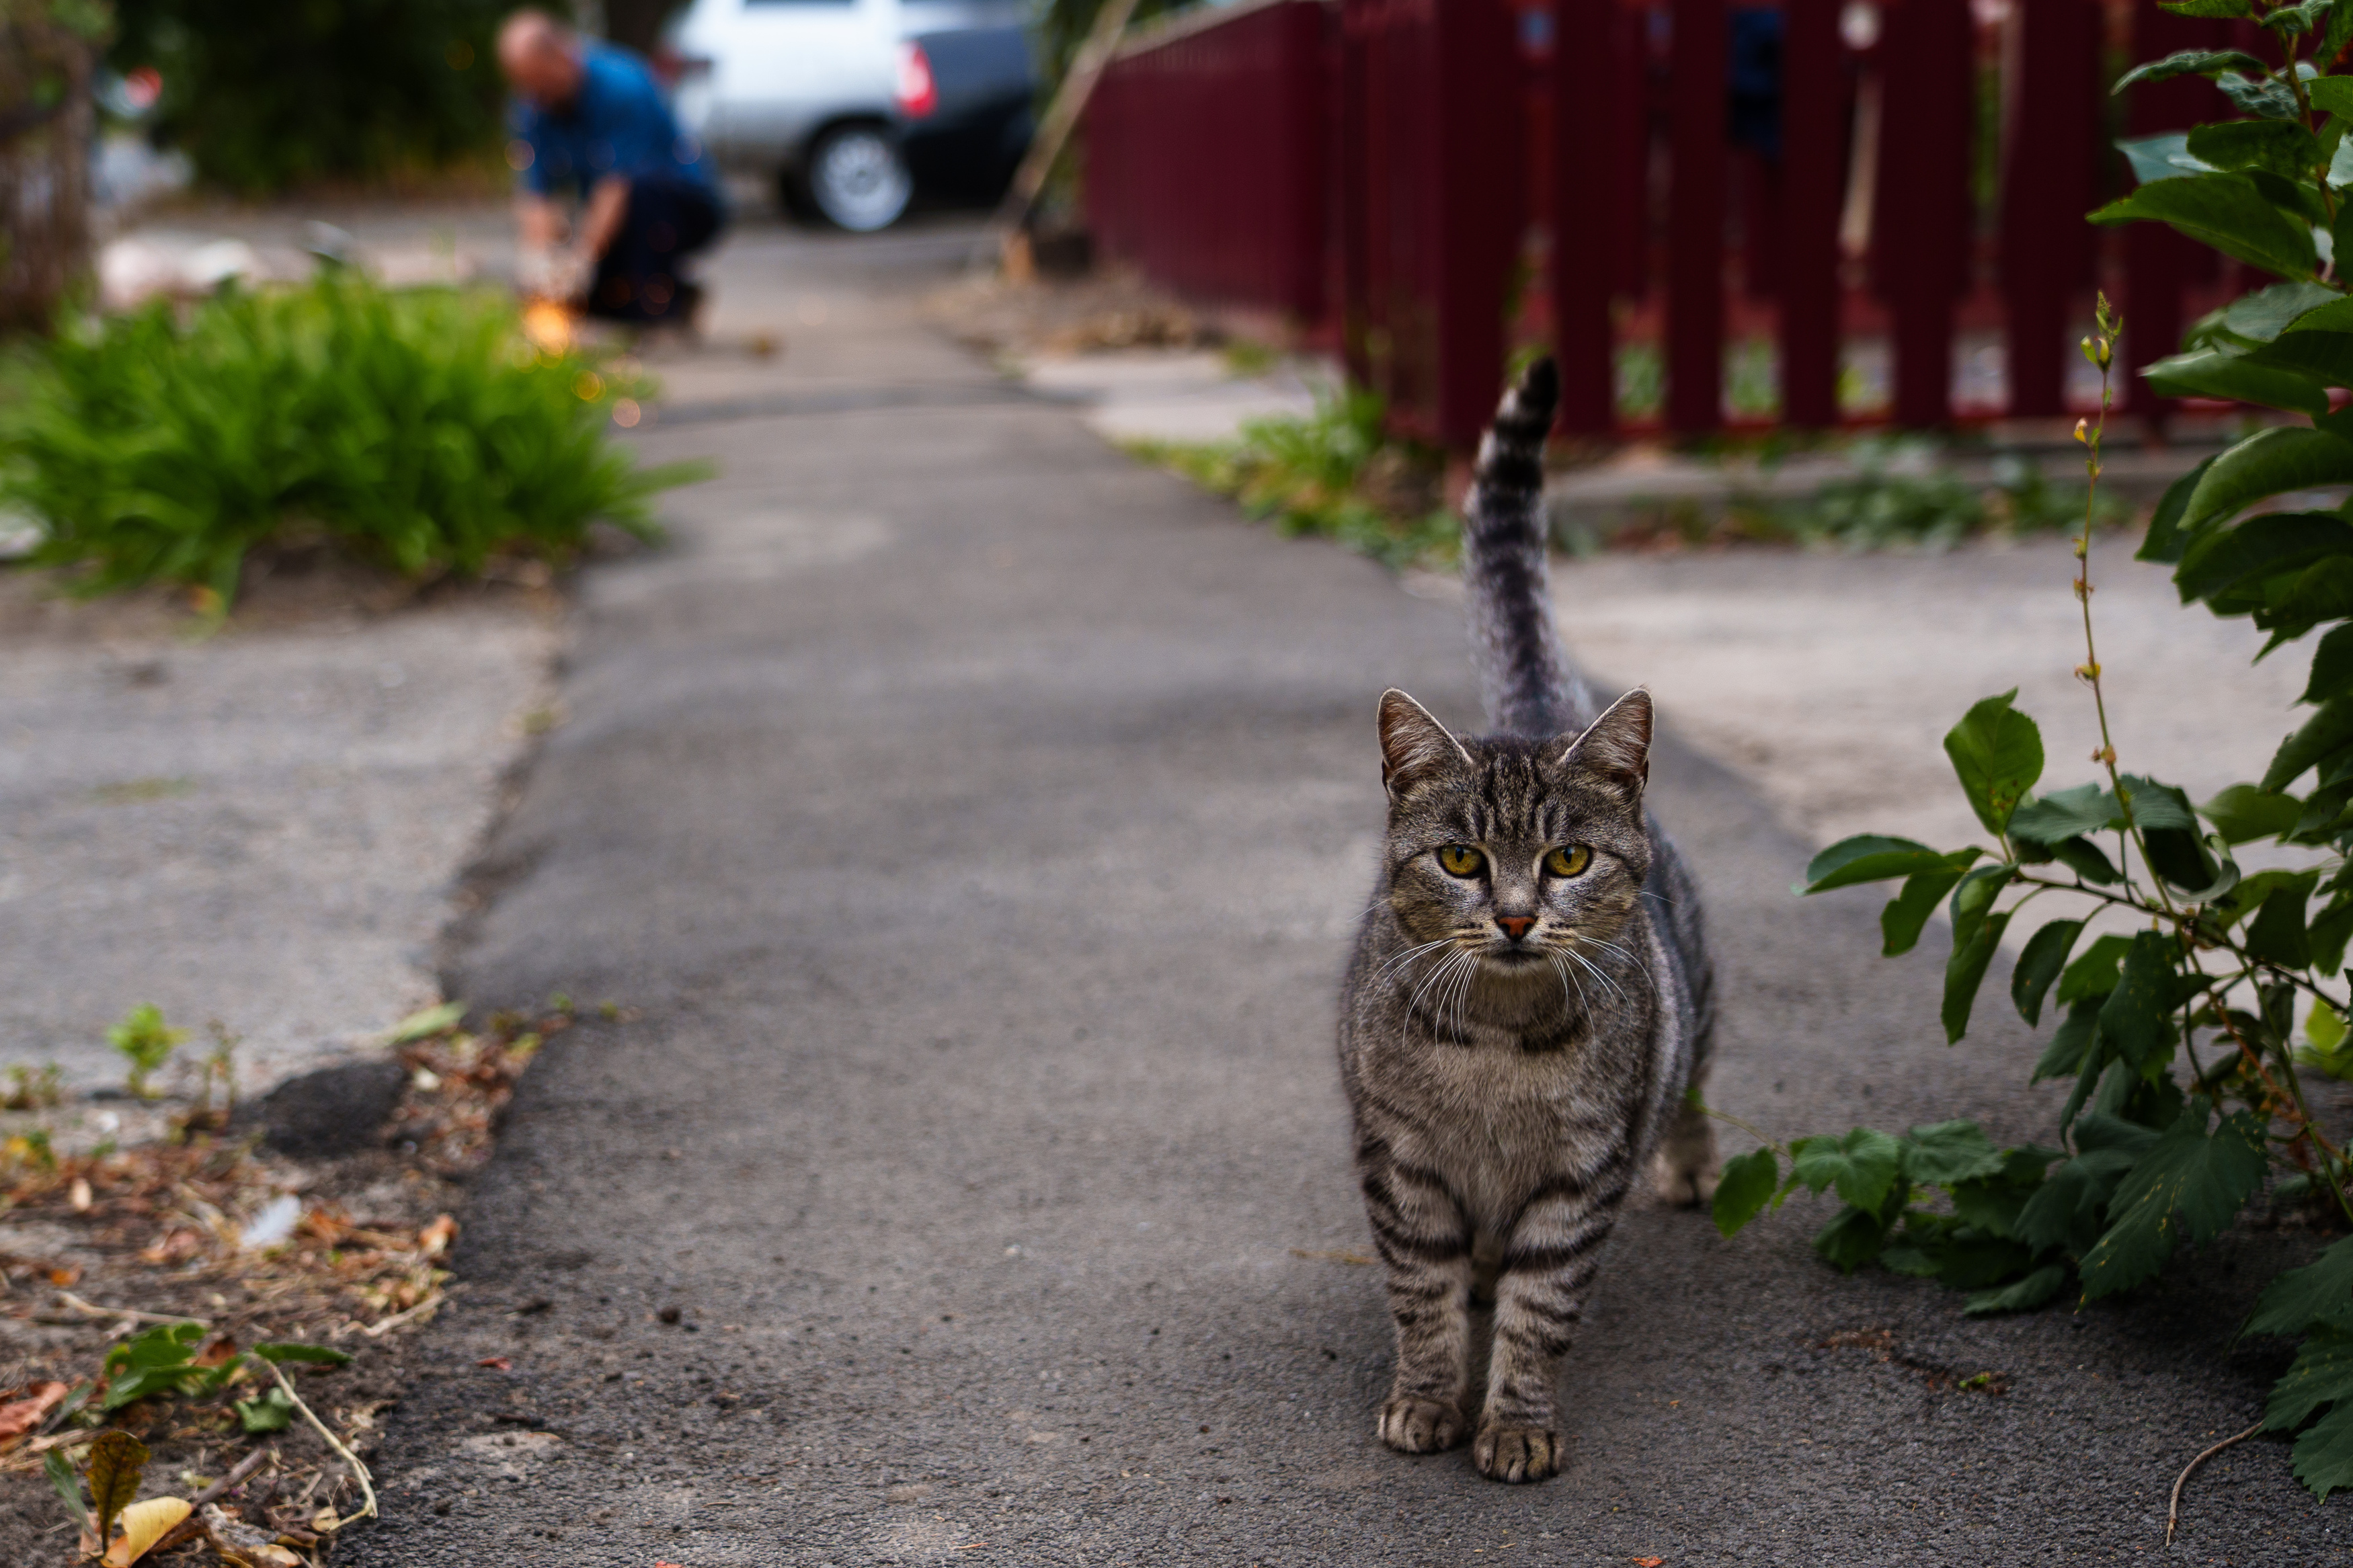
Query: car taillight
(670, 68)
(918, 94)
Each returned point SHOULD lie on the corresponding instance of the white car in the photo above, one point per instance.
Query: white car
(830, 97)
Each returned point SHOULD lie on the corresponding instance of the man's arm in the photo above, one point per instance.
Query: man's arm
(608, 204)
(539, 221)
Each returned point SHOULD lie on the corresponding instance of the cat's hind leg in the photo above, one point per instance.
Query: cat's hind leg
(1686, 1168)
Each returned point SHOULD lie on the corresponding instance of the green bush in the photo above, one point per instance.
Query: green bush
(262, 97)
(419, 430)
(2186, 1033)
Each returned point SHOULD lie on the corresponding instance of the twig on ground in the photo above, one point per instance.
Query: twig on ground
(359, 1471)
(375, 1330)
(235, 1478)
(87, 1310)
(2173, 1509)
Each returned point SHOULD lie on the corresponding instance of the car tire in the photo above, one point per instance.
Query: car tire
(857, 180)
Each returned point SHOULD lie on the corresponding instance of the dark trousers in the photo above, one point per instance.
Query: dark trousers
(637, 278)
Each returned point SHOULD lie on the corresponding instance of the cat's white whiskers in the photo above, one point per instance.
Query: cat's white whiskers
(1432, 978)
(1599, 973)
(1639, 967)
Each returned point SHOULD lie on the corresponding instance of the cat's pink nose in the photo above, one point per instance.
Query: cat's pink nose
(1516, 926)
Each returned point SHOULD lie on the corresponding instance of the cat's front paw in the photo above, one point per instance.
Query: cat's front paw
(1415, 1426)
(1517, 1453)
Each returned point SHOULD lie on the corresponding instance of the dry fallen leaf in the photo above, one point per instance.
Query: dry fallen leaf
(144, 1524)
(21, 1415)
(434, 1239)
(496, 1363)
(1650, 1563)
(240, 1545)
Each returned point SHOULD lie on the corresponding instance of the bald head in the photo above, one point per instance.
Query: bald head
(540, 57)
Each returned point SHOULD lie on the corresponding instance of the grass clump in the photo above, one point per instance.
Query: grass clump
(418, 429)
(1333, 472)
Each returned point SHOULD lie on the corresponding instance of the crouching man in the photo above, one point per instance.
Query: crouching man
(591, 124)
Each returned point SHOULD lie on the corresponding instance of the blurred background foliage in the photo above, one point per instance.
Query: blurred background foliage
(298, 91)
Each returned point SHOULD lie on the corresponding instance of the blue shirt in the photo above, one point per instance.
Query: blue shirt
(618, 123)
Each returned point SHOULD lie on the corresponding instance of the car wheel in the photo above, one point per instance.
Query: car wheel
(857, 180)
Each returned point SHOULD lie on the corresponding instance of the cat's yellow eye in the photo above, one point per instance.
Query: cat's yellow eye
(1568, 859)
(1461, 860)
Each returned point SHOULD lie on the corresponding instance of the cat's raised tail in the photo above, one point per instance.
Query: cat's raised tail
(1525, 679)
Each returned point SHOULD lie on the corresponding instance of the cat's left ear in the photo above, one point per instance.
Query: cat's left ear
(1614, 751)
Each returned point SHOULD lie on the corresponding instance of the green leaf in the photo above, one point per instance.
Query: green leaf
(269, 1411)
(2039, 967)
(2243, 813)
(1943, 1153)
(2226, 212)
(2217, 372)
(2165, 156)
(2231, 8)
(2277, 935)
(2190, 1183)
(1862, 1165)
(2083, 857)
(1747, 1185)
(1853, 1239)
(2093, 973)
(448, 1016)
(2064, 1057)
(2065, 814)
(1997, 753)
(281, 1351)
(2321, 734)
(2324, 1455)
(1900, 924)
(1870, 857)
(2332, 660)
(1993, 1203)
(2038, 1288)
(153, 1362)
(2319, 1293)
(2134, 1017)
(2274, 308)
(2064, 1212)
(1965, 971)
(2333, 93)
(2261, 97)
(113, 1466)
(2189, 62)
(2259, 547)
(2284, 458)
(2166, 538)
(2324, 355)
(2323, 1373)
(66, 1484)
(2281, 146)
(2325, 1026)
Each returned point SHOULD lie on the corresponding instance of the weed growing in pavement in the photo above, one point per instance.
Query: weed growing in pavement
(147, 1042)
(1334, 473)
(418, 429)
(33, 1089)
(2166, 945)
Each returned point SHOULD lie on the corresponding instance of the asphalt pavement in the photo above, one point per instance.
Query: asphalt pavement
(975, 820)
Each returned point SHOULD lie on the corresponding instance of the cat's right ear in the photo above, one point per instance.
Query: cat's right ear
(1415, 747)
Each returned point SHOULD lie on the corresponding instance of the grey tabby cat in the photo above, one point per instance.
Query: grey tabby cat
(1528, 1001)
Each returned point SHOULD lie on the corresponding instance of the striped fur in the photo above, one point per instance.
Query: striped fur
(1509, 1091)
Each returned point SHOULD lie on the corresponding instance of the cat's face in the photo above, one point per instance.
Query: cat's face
(1522, 856)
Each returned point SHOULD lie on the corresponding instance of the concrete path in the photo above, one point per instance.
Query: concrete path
(979, 819)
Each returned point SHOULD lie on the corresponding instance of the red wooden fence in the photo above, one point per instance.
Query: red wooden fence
(1372, 167)
(1209, 155)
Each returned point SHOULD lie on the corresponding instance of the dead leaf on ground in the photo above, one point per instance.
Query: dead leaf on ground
(144, 1524)
(1650, 1563)
(28, 1407)
(1333, 1255)
(497, 1363)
